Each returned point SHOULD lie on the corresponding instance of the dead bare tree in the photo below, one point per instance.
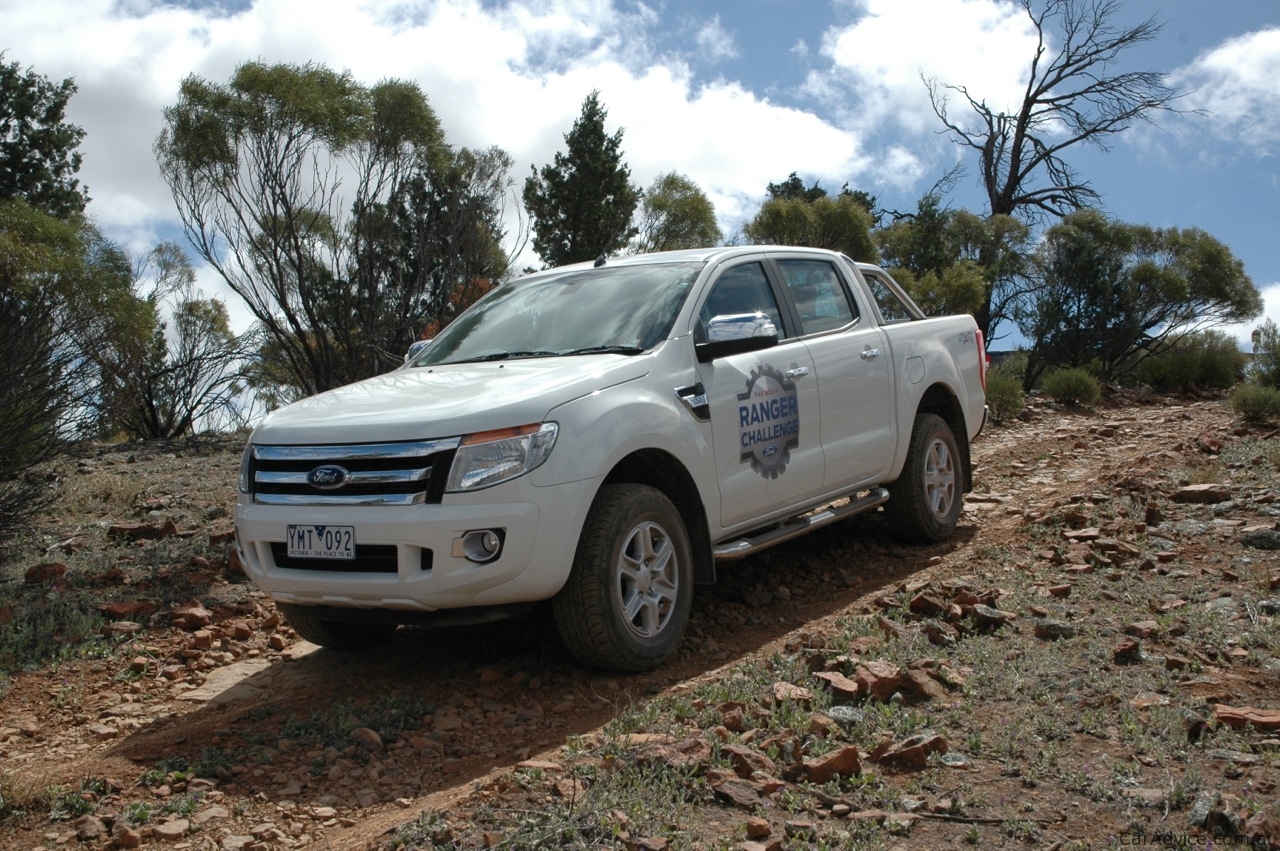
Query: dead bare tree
(1071, 97)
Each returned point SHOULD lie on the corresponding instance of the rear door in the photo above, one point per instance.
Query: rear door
(853, 371)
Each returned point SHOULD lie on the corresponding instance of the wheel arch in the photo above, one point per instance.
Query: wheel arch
(663, 472)
(939, 399)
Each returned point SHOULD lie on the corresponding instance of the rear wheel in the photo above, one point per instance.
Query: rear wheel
(336, 635)
(924, 503)
(627, 599)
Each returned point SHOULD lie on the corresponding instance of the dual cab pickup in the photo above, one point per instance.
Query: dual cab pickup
(602, 436)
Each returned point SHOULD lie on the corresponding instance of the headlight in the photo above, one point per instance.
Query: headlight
(489, 457)
(245, 465)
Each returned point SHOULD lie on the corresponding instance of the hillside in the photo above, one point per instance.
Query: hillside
(1093, 660)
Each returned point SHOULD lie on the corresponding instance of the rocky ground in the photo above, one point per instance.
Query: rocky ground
(1091, 662)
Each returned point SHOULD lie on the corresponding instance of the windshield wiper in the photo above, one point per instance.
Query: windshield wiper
(607, 350)
(506, 356)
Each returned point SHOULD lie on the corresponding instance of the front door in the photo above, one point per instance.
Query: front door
(764, 407)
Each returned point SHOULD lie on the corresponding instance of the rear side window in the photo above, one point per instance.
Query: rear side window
(820, 298)
(892, 308)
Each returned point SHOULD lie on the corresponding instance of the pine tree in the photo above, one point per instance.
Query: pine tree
(581, 205)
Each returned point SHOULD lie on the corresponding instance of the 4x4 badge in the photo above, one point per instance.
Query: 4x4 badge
(768, 421)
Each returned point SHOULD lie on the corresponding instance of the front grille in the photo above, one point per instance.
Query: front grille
(370, 558)
(405, 473)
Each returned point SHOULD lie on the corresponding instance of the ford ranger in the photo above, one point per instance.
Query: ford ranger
(603, 436)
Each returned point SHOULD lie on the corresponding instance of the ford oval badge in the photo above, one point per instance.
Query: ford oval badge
(328, 477)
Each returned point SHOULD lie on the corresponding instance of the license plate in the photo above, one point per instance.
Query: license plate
(322, 541)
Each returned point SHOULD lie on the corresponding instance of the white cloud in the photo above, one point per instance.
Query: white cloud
(1270, 310)
(1235, 83)
(512, 75)
(715, 42)
(879, 59)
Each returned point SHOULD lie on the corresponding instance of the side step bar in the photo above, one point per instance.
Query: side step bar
(797, 526)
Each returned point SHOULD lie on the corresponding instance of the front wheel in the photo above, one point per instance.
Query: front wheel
(336, 635)
(628, 596)
(924, 503)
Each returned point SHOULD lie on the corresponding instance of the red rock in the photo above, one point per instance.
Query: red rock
(191, 616)
(1204, 494)
(1244, 717)
(747, 761)
(842, 763)
(879, 679)
(784, 691)
(841, 686)
(758, 828)
(914, 752)
(43, 574)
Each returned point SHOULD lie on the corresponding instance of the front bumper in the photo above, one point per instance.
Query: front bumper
(408, 558)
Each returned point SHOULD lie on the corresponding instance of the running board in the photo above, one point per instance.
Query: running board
(797, 526)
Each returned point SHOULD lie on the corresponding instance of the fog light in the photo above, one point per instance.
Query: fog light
(480, 545)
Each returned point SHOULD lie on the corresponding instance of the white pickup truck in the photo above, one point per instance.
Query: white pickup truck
(601, 436)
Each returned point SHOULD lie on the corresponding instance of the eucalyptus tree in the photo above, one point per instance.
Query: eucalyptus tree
(303, 189)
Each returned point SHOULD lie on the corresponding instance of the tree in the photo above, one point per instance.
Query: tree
(1072, 97)
(336, 211)
(64, 293)
(581, 204)
(1108, 291)
(675, 213)
(840, 224)
(188, 372)
(38, 156)
(938, 255)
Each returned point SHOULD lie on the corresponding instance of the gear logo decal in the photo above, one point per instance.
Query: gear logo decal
(768, 421)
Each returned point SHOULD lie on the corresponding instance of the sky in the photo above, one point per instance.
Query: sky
(734, 94)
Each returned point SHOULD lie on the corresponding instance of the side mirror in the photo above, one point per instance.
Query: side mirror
(734, 334)
(416, 347)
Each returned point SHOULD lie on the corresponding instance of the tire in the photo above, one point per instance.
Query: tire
(335, 635)
(629, 593)
(924, 503)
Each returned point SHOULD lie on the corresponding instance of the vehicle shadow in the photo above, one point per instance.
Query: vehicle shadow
(450, 705)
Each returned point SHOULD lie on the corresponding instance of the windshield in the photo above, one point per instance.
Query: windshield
(626, 309)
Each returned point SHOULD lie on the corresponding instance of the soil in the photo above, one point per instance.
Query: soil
(1117, 590)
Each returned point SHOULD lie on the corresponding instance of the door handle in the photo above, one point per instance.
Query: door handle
(869, 354)
(798, 372)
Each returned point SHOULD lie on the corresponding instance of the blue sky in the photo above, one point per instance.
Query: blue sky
(732, 94)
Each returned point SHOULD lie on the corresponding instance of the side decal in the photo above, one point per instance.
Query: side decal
(768, 421)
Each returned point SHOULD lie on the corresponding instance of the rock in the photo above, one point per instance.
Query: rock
(784, 691)
(842, 763)
(1245, 717)
(758, 828)
(1127, 652)
(923, 685)
(989, 616)
(1261, 539)
(914, 751)
(1205, 802)
(1205, 494)
(879, 679)
(747, 760)
(43, 574)
(123, 836)
(736, 791)
(367, 738)
(191, 616)
(90, 828)
(1142, 629)
(171, 831)
(1050, 629)
(842, 688)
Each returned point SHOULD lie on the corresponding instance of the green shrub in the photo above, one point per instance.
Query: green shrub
(1004, 396)
(1208, 361)
(1266, 356)
(1071, 387)
(1255, 402)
